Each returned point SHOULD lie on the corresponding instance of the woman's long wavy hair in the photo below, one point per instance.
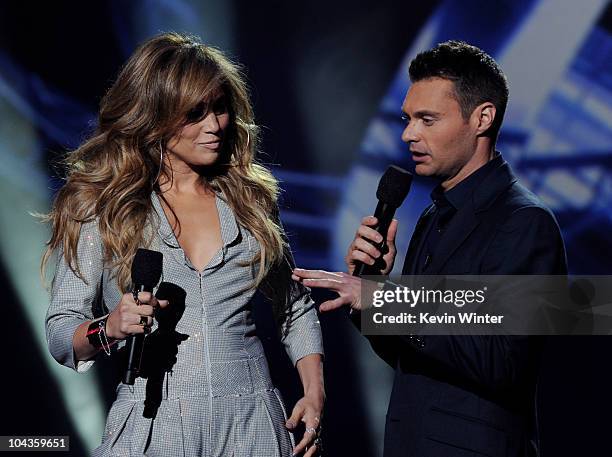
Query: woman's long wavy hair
(111, 176)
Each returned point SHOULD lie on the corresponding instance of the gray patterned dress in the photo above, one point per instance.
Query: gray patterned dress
(215, 398)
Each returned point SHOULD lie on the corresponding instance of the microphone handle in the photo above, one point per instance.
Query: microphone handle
(384, 213)
(135, 345)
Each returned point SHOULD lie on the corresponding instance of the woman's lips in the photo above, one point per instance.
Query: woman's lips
(211, 144)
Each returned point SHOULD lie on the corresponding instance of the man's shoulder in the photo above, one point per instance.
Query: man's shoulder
(518, 196)
(519, 206)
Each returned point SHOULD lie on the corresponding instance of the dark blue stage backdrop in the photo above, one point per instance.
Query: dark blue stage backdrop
(328, 79)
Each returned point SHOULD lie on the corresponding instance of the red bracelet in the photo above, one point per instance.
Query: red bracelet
(96, 335)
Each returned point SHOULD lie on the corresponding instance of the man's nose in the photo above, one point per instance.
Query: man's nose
(409, 134)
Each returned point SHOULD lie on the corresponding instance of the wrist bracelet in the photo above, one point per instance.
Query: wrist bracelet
(96, 335)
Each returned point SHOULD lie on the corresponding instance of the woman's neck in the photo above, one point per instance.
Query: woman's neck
(182, 180)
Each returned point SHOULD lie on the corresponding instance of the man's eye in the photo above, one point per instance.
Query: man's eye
(428, 121)
(404, 117)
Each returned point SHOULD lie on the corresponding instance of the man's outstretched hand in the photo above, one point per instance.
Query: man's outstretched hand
(349, 287)
(346, 286)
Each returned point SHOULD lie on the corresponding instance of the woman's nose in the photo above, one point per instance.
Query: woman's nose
(211, 123)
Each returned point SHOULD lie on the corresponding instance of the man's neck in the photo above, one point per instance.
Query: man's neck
(478, 160)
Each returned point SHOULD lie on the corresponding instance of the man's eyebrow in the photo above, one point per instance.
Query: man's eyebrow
(423, 113)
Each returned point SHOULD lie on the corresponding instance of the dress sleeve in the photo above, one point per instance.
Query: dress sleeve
(72, 297)
(300, 329)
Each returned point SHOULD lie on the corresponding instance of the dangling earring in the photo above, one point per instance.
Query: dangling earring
(161, 161)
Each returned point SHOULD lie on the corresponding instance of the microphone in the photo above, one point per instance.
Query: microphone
(146, 273)
(392, 189)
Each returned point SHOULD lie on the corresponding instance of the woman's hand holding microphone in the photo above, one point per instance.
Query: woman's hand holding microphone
(133, 316)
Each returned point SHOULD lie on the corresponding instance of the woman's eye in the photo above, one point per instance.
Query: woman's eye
(220, 106)
(197, 113)
(200, 111)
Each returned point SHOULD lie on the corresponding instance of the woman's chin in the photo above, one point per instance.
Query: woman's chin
(206, 159)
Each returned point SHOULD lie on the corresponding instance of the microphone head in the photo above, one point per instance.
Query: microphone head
(394, 186)
(147, 268)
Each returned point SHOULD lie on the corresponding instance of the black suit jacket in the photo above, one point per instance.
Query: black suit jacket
(473, 395)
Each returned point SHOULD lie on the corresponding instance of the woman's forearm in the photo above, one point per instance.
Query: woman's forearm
(83, 349)
(310, 368)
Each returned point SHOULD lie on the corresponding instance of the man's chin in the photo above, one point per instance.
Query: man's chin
(423, 169)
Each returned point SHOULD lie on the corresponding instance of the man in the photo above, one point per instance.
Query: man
(459, 395)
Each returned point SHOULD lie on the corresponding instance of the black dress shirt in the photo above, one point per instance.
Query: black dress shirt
(446, 205)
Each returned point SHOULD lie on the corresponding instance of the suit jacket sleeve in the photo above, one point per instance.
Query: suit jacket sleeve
(528, 242)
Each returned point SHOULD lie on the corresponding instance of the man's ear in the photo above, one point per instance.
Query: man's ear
(483, 117)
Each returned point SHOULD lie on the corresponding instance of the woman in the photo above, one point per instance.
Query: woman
(171, 168)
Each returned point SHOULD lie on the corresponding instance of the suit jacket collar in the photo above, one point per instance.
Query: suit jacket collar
(463, 223)
(493, 185)
(421, 228)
